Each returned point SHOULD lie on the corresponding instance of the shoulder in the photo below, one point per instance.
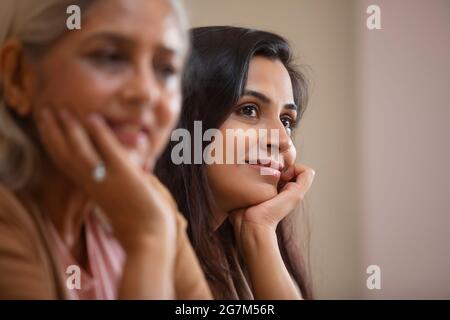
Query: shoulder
(13, 212)
(23, 254)
(19, 227)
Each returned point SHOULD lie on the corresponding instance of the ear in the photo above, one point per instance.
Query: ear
(16, 75)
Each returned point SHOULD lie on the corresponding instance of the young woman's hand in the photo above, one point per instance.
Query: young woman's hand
(294, 184)
(255, 232)
(136, 210)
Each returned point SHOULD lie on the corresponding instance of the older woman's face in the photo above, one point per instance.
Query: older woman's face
(125, 65)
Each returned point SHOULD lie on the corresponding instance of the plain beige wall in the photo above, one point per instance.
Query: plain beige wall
(404, 130)
(376, 132)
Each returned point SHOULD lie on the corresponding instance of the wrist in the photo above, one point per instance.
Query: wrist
(162, 239)
(256, 237)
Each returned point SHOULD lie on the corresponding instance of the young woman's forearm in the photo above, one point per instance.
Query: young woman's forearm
(268, 274)
(148, 270)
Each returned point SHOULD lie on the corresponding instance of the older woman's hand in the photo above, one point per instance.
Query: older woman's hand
(136, 209)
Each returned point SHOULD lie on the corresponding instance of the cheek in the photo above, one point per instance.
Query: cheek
(77, 88)
(227, 193)
(237, 144)
(166, 115)
(290, 156)
(169, 110)
(231, 193)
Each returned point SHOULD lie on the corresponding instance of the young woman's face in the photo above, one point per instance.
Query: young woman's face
(268, 104)
(124, 64)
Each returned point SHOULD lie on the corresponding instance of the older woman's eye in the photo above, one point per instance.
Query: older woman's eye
(249, 110)
(164, 72)
(108, 57)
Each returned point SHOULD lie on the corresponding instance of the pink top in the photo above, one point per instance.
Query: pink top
(105, 262)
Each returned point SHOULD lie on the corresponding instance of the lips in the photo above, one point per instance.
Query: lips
(130, 132)
(267, 167)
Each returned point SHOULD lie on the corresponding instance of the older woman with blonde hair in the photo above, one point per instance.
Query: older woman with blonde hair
(84, 114)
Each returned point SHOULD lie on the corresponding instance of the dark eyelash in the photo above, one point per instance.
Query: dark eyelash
(254, 107)
(107, 57)
(167, 70)
(293, 122)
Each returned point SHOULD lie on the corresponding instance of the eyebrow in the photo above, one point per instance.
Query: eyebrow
(267, 100)
(110, 36)
(121, 39)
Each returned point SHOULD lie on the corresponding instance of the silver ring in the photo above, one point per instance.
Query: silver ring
(99, 172)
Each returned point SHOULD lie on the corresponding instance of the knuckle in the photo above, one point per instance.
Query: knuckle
(310, 173)
(301, 196)
(297, 191)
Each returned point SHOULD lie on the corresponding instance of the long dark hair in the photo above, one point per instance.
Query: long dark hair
(214, 80)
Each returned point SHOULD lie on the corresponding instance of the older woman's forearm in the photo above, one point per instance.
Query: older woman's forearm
(148, 270)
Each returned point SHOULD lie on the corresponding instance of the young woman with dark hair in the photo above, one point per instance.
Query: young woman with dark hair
(239, 220)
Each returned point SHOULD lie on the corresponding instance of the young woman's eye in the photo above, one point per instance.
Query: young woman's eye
(288, 123)
(249, 110)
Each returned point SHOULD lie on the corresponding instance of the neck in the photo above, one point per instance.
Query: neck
(219, 216)
(65, 204)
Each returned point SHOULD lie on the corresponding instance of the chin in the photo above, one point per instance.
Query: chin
(259, 193)
(241, 188)
(244, 195)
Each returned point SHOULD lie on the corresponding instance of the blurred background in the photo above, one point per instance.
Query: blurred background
(376, 131)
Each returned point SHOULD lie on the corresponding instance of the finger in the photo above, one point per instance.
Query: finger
(288, 174)
(52, 137)
(280, 205)
(79, 142)
(108, 146)
(291, 174)
(304, 178)
(292, 193)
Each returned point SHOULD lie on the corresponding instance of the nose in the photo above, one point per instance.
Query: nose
(278, 139)
(142, 88)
